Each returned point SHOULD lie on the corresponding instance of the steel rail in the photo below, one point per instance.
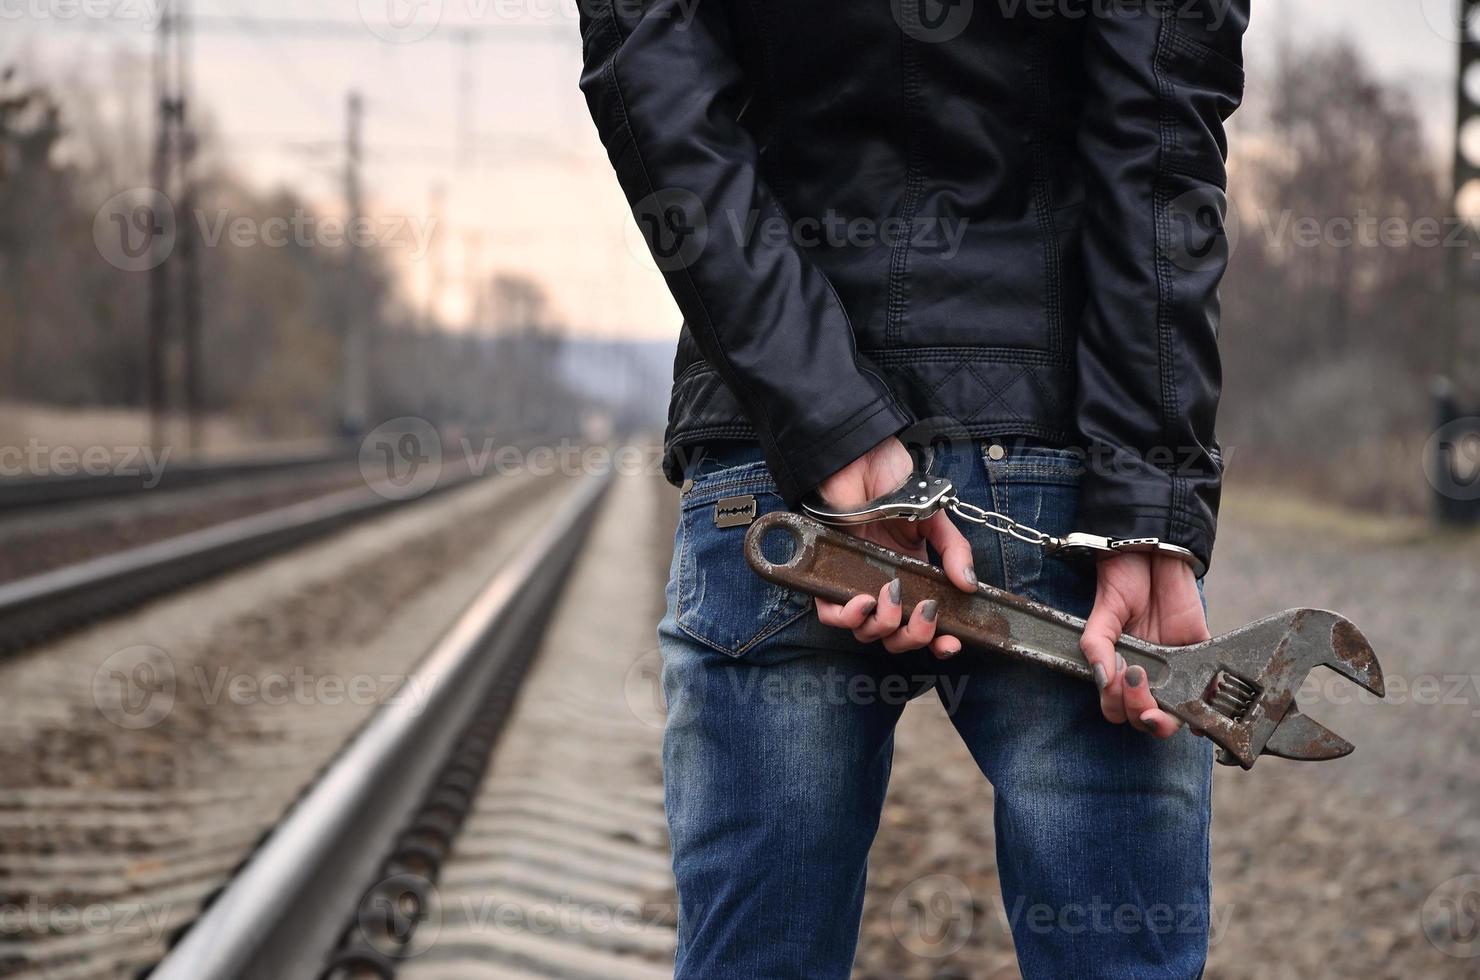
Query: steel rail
(48, 602)
(283, 912)
(25, 493)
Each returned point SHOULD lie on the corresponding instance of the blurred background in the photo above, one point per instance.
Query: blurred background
(248, 250)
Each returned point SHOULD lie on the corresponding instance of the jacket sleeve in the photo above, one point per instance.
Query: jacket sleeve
(1163, 77)
(665, 88)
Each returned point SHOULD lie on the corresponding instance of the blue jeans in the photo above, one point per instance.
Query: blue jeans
(780, 735)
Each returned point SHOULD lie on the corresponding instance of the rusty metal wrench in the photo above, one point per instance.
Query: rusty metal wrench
(1238, 689)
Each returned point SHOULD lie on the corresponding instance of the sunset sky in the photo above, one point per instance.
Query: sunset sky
(530, 190)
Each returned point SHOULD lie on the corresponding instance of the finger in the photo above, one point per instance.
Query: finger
(851, 615)
(954, 550)
(1101, 631)
(918, 632)
(885, 618)
(1160, 724)
(945, 647)
(1138, 702)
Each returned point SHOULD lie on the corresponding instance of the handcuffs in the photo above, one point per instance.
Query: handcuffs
(923, 495)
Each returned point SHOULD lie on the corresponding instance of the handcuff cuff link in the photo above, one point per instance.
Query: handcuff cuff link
(922, 495)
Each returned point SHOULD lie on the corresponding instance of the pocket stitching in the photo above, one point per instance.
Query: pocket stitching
(778, 619)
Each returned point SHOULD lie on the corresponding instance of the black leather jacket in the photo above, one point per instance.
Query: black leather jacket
(1002, 216)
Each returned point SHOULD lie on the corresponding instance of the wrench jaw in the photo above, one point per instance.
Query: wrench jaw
(1248, 707)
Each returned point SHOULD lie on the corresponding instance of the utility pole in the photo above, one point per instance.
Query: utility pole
(1456, 447)
(354, 353)
(435, 260)
(159, 273)
(190, 283)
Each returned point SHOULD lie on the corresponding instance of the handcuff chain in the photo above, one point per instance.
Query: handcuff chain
(995, 521)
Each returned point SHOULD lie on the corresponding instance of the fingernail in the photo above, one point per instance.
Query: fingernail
(894, 588)
(1119, 664)
(970, 574)
(950, 652)
(1135, 676)
(1101, 681)
(928, 609)
(1147, 716)
(873, 604)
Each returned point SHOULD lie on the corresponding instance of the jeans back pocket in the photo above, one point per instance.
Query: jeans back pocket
(719, 600)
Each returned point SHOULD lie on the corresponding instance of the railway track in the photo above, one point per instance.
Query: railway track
(129, 478)
(42, 604)
(151, 850)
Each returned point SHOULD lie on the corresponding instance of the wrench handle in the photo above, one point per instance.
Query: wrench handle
(836, 566)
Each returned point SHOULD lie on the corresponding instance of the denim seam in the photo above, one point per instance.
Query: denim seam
(1000, 503)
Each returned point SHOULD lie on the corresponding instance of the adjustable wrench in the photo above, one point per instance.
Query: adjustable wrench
(1238, 688)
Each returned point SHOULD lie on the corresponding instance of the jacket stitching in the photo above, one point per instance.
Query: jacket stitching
(1160, 198)
(994, 392)
(1043, 202)
(899, 260)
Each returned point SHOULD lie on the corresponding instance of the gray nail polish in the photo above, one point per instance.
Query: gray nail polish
(1101, 681)
(928, 609)
(1134, 676)
(894, 589)
(971, 576)
(873, 604)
